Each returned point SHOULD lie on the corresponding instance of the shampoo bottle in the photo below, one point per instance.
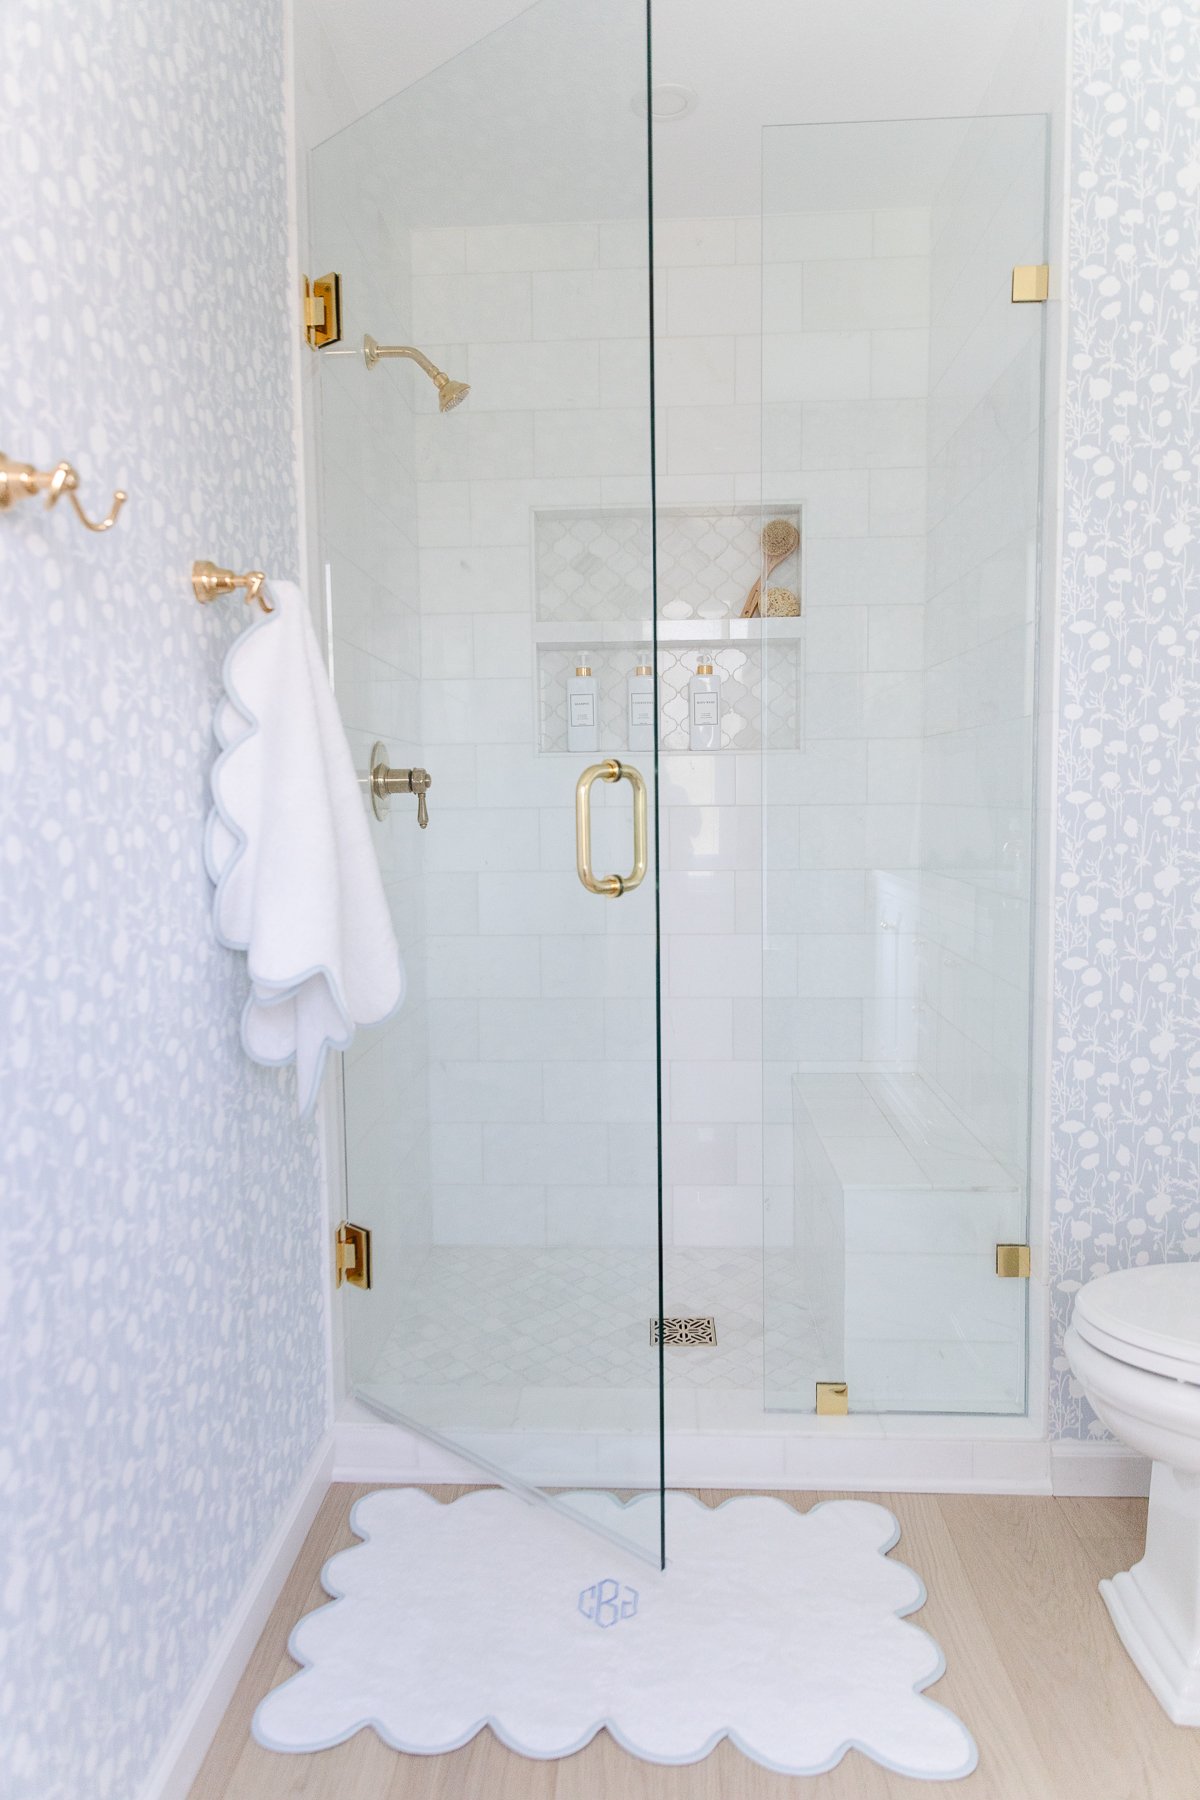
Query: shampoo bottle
(640, 708)
(704, 707)
(583, 707)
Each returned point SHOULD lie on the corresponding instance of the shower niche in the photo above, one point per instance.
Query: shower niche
(592, 593)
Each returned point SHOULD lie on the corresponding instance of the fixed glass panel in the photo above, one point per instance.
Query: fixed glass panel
(490, 572)
(902, 405)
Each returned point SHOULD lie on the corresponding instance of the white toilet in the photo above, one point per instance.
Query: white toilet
(1134, 1347)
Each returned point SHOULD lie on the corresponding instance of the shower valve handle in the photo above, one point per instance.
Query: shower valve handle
(385, 781)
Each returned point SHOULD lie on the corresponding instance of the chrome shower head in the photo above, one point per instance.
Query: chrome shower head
(450, 393)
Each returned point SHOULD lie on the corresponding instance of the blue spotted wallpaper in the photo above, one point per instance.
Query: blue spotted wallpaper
(161, 1278)
(1126, 1076)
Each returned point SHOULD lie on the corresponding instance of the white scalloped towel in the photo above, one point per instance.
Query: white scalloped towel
(289, 848)
(781, 1630)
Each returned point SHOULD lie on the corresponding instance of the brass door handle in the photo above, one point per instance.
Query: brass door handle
(611, 886)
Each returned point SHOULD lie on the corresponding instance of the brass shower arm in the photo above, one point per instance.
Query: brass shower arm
(450, 393)
(376, 352)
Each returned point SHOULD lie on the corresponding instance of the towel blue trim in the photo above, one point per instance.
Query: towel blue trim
(282, 990)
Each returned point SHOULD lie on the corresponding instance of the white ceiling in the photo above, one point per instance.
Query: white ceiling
(571, 68)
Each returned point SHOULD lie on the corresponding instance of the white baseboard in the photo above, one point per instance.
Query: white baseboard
(1105, 1468)
(180, 1757)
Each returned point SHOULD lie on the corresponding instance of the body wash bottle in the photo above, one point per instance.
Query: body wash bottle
(583, 707)
(639, 704)
(704, 707)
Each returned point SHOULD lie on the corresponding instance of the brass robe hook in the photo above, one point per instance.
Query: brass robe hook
(21, 481)
(209, 583)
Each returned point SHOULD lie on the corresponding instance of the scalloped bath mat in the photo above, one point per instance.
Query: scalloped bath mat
(781, 1630)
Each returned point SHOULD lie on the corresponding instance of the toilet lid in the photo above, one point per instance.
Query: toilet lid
(1154, 1310)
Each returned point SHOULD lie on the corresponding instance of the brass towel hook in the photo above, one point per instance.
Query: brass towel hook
(209, 583)
(20, 481)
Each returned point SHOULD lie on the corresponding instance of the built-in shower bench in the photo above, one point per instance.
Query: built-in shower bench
(898, 1211)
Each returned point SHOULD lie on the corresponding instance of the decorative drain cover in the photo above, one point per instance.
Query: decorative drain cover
(685, 1331)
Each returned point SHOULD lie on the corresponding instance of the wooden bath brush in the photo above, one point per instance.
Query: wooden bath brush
(779, 539)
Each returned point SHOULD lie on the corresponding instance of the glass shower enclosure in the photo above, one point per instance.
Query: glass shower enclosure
(490, 575)
(766, 1095)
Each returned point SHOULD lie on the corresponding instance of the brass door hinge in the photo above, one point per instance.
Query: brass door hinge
(1030, 281)
(1013, 1260)
(352, 1255)
(323, 310)
(833, 1398)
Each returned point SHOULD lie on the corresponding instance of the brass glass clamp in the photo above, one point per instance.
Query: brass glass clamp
(611, 886)
(385, 781)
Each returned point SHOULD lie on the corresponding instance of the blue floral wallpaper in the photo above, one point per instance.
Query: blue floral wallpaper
(161, 1281)
(1126, 1076)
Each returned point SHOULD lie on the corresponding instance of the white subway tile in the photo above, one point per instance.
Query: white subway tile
(483, 968)
(684, 243)
(478, 841)
(814, 900)
(446, 647)
(529, 247)
(897, 637)
(475, 579)
(695, 371)
(551, 1150)
(816, 365)
(503, 644)
(901, 231)
(713, 302)
(452, 1028)
(697, 900)
(539, 1030)
(603, 1092)
(484, 1091)
(544, 901)
(713, 837)
(476, 712)
(897, 502)
(815, 236)
(489, 1215)
(716, 438)
(520, 377)
(899, 364)
(456, 1152)
(714, 966)
(728, 1092)
(438, 250)
(782, 298)
(613, 1218)
(866, 295)
(698, 1028)
(718, 1216)
(612, 441)
(894, 769)
(624, 372)
(471, 308)
(866, 571)
(836, 638)
(862, 434)
(443, 513)
(591, 303)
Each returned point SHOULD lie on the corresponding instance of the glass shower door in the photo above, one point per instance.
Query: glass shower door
(489, 573)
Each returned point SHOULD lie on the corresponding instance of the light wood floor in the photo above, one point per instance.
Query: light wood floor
(1033, 1668)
